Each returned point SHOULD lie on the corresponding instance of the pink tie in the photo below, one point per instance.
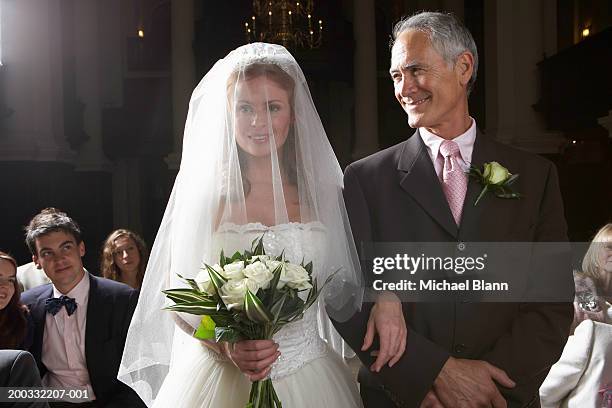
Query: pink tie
(454, 180)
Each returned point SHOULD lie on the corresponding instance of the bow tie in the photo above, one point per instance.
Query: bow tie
(54, 305)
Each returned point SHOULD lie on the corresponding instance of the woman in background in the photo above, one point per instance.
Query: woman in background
(597, 263)
(15, 323)
(594, 283)
(124, 258)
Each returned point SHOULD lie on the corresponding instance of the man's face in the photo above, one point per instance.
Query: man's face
(58, 254)
(432, 93)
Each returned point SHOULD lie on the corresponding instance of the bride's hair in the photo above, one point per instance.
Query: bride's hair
(275, 73)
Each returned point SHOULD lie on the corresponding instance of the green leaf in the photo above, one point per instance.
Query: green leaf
(193, 309)
(511, 180)
(281, 256)
(259, 247)
(216, 278)
(190, 282)
(509, 195)
(312, 299)
(186, 295)
(255, 242)
(206, 329)
(482, 193)
(271, 293)
(226, 334)
(255, 310)
(236, 257)
(222, 260)
(308, 268)
(277, 307)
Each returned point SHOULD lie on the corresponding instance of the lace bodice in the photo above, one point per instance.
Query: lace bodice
(299, 342)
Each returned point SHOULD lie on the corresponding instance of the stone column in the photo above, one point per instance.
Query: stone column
(366, 93)
(183, 73)
(87, 62)
(517, 36)
(32, 83)
(127, 195)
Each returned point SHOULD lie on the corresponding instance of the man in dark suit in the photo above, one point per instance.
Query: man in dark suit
(18, 369)
(458, 354)
(81, 321)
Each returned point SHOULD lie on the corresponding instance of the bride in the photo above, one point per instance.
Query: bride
(256, 162)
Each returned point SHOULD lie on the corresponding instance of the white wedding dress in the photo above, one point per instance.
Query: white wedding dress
(307, 374)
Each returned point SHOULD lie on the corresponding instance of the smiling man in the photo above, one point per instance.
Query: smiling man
(458, 354)
(81, 321)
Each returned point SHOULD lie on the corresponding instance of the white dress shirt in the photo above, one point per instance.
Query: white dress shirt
(465, 142)
(63, 349)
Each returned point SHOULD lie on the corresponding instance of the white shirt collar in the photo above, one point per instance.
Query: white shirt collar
(80, 292)
(465, 141)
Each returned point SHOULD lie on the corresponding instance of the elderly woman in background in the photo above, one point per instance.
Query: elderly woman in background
(16, 327)
(583, 374)
(597, 263)
(594, 283)
(124, 258)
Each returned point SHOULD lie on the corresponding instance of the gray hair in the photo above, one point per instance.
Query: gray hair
(448, 36)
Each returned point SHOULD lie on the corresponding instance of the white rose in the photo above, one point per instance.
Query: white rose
(234, 270)
(272, 265)
(296, 277)
(259, 274)
(495, 173)
(233, 293)
(204, 282)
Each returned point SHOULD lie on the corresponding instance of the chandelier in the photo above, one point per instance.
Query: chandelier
(289, 23)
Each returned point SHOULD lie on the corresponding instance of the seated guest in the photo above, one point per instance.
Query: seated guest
(16, 325)
(124, 258)
(81, 321)
(18, 369)
(29, 276)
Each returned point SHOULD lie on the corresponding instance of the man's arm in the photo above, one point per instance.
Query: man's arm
(412, 376)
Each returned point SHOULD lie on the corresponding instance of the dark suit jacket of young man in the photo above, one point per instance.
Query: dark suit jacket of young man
(395, 196)
(109, 312)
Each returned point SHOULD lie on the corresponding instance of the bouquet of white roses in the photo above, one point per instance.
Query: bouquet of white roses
(248, 296)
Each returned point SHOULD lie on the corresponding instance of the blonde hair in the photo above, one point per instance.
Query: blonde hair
(591, 264)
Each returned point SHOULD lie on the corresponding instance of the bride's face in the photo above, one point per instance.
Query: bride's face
(263, 111)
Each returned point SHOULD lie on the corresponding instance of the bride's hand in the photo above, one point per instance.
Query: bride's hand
(387, 320)
(253, 357)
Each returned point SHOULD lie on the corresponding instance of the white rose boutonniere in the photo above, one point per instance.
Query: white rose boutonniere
(495, 178)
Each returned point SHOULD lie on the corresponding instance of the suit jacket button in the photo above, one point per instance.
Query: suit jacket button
(461, 246)
(460, 348)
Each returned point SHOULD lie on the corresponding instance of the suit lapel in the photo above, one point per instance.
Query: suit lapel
(94, 321)
(39, 315)
(483, 152)
(418, 178)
